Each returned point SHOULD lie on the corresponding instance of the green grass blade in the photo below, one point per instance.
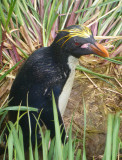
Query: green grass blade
(15, 108)
(52, 12)
(66, 17)
(43, 140)
(0, 32)
(25, 4)
(30, 131)
(70, 151)
(2, 16)
(81, 68)
(34, 12)
(106, 81)
(57, 130)
(51, 150)
(115, 144)
(111, 59)
(36, 154)
(10, 146)
(17, 145)
(21, 139)
(29, 18)
(19, 14)
(30, 150)
(107, 154)
(8, 71)
(109, 136)
(65, 151)
(88, 13)
(45, 23)
(99, 5)
(11, 8)
(63, 9)
(108, 20)
(6, 5)
(54, 17)
(84, 135)
(47, 139)
(120, 58)
(78, 155)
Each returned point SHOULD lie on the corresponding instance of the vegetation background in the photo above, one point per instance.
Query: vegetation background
(28, 25)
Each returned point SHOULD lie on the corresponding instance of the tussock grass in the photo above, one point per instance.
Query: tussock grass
(28, 25)
(53, 149)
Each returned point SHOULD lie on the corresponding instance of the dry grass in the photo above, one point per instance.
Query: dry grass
(26, 32)
(100, 97)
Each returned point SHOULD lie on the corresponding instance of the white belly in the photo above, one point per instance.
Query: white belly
(63, 98)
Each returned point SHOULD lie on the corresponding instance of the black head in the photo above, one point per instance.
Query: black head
(78, 40)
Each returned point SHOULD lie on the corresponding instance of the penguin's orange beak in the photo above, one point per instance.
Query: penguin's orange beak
(99, 50)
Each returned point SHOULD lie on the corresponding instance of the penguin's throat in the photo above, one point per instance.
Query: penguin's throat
(64, 96)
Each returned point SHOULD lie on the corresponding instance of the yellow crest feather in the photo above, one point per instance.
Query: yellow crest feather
(83, 32)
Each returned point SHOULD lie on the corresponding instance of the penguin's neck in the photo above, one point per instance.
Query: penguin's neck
(67, 64)
(64, 96)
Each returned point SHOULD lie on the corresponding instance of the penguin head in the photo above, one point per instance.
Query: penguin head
(77, 40)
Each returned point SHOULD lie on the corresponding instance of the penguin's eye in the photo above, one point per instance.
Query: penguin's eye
(77, 44)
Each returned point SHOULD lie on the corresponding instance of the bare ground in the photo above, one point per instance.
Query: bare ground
(100, 99)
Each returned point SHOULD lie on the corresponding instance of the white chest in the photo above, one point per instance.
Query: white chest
(63, 98)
